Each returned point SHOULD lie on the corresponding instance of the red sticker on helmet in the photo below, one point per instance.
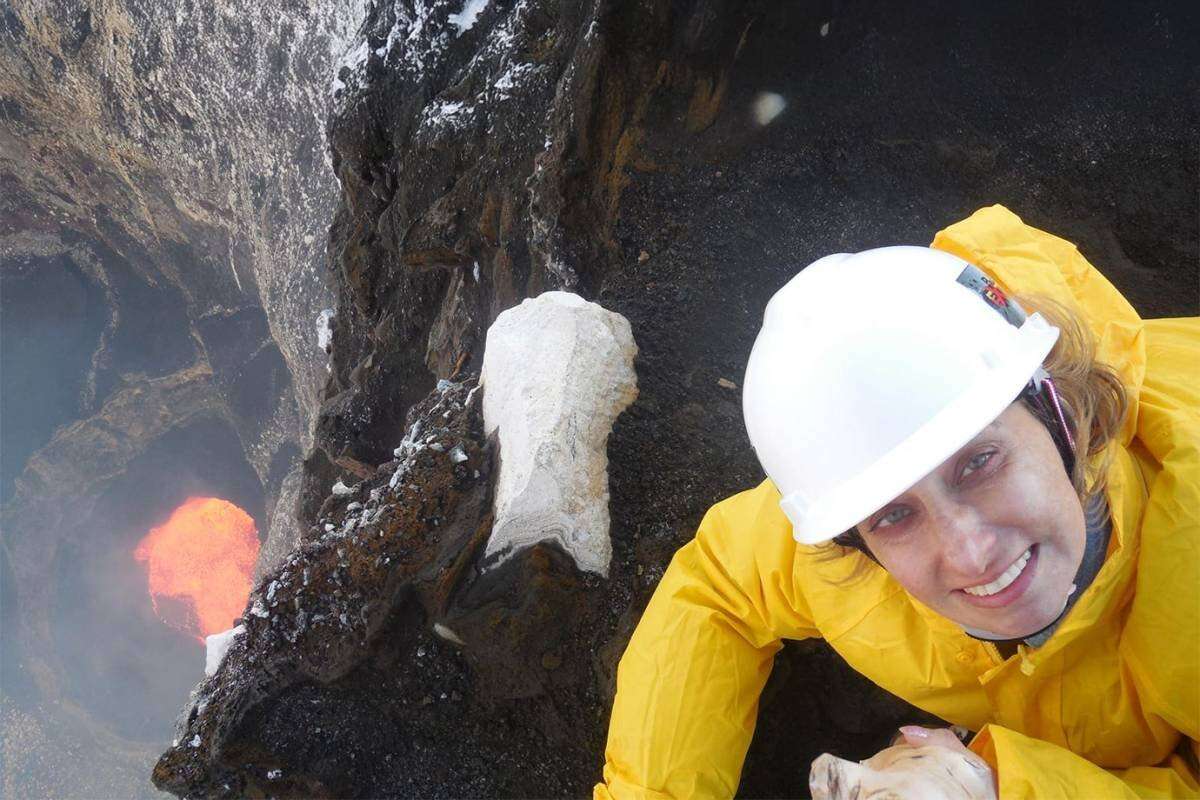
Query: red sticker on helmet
(974, 279)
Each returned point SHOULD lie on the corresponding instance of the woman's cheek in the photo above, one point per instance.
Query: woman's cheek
(905, 562)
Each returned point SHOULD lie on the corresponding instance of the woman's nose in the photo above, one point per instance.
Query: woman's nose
(968, 548)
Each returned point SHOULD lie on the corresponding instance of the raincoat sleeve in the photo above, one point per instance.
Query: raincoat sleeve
(689, 681)
(1031, 768)
(1160, 645)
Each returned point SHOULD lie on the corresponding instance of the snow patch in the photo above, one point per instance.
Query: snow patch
(453, 114)
(325, 329)
(465, 19)
(512, 77)
(215, 648)
(412, 38)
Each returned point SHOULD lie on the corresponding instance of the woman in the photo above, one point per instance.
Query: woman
(1015, 513)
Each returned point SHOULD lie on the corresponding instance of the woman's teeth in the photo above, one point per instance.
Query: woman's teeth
(1004, 580)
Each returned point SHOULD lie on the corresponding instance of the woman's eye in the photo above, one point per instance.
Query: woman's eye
(890, 518)
(896, 515)
(978, 462)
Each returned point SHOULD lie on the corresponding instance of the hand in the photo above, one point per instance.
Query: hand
(926, 763)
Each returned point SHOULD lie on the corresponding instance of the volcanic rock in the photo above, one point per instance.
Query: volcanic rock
(557, 372)
(354, 647)
(165, 195)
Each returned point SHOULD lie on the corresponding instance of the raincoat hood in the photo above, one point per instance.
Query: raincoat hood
(1017, 255)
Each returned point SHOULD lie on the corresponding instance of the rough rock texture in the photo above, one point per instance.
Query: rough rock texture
(557, 371)
(369, 654)
(180, 145)
(165, 194)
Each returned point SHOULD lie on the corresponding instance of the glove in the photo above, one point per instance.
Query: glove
(924, 765)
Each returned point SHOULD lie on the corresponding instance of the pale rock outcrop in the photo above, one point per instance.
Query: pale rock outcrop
(557, 371)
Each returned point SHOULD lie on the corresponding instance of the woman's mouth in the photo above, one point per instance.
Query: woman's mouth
(1010, 585)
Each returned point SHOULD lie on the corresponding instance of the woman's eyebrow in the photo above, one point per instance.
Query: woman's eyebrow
(989, 428)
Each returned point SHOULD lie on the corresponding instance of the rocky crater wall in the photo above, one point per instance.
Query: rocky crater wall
(165, 195)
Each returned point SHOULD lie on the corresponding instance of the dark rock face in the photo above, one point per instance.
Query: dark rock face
(370, 653)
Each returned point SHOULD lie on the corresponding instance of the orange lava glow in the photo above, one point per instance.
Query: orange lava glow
(200, 564)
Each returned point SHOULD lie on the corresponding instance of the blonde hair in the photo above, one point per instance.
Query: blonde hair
(1093, 400)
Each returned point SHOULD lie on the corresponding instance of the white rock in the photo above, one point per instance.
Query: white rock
(341, 490)
(767, 106)
(216, 646)
(447, 633)
(325, 329)
(557, 371)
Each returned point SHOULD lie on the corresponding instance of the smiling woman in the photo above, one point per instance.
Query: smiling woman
(993, 537)
(1042, 462)
(1018, 507)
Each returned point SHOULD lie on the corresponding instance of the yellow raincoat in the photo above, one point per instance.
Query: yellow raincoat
(1109, 706)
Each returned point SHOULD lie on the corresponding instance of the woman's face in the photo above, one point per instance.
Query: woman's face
(993, 537)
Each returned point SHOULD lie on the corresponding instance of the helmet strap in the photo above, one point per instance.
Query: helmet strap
(1041, 396)
(1062, 420)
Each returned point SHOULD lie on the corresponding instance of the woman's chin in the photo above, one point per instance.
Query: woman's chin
(1013, 623)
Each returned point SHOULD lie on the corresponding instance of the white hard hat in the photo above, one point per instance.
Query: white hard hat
(873, 368)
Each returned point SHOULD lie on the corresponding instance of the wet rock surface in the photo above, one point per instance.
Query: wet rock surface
(380, 659)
